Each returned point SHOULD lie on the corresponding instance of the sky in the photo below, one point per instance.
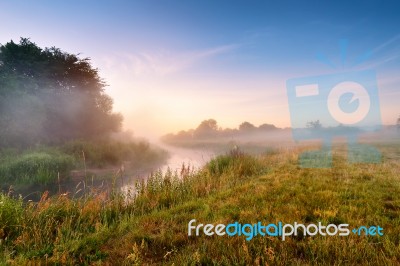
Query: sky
(171, 64)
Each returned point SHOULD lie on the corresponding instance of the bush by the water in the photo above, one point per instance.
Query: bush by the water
(235, 162)
(103, 153)
(43, 164)
(38, 167)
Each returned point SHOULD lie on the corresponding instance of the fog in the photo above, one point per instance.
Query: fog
(184, 146)
(49, 117)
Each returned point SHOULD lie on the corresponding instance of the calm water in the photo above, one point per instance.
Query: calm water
(106, 179)
(195, 158)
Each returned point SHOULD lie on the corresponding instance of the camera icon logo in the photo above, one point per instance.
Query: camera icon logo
(336, 105)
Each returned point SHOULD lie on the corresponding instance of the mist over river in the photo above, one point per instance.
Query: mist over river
(124, 177)
(189, 157)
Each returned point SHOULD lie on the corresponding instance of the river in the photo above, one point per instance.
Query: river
(94, 180)
(194, 158)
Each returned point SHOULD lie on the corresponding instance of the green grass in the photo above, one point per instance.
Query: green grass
(150, 227)
(34, 167)
(103, 153)
(44, 165)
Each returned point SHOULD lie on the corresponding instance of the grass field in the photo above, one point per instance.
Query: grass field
(150, 226)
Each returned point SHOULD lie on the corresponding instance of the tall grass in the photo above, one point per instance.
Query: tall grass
(102, 153)
(35, 167)
(44, 165)
(150, 225)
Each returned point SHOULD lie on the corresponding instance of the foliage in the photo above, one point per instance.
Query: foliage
(398, 123)
(106, 152)
(314, 124)
(49, 96)
(43, 164)
(11, 214)
(209, 129)
(37, 167)
(246, 126)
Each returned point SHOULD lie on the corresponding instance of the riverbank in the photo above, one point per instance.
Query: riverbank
(63, 168)
(152, 227)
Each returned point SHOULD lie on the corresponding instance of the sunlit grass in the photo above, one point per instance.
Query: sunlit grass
(149, 226)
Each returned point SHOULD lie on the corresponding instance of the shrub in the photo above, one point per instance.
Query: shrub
(102, 153)
(235, 162)
(35, 167)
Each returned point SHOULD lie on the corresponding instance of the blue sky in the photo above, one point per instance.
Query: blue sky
(171, 64)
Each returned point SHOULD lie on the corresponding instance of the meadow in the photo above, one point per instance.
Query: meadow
(148, 225)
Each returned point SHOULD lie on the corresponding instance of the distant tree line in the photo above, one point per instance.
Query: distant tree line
(210, 129)
(398, 124)
(50, 96)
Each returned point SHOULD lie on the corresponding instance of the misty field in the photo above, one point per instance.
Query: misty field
(149, 224)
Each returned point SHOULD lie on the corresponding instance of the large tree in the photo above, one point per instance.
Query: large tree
(207, 128)
(246, 127)
(50, 96)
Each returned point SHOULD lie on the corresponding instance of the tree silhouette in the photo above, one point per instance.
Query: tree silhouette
(267, 127)
(50, 96)
(314, 124)
(246, 127)
(207, 128)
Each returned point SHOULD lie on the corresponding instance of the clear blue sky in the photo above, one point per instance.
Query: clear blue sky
(171, 64)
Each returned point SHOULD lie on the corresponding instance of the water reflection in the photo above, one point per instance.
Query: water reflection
(193, 158)
(122, 178)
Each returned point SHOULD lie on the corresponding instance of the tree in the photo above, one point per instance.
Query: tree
(314, 124)
(50, 96)
(207, 128)
(398, 124)
(267, 127)
(246, 127)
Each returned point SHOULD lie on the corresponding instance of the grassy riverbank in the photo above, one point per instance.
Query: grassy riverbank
(150, 227)
(48, 164)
